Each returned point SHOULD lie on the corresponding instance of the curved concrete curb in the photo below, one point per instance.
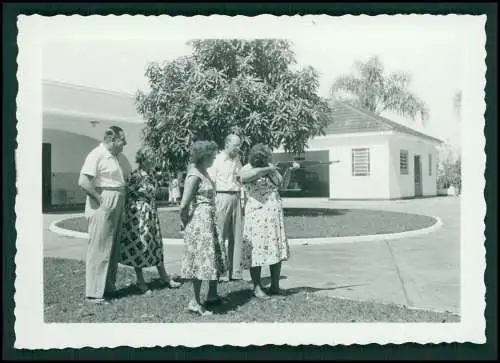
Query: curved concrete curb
(292, 241)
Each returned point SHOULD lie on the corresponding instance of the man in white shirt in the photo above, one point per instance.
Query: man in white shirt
(103, 177)
(224, 172)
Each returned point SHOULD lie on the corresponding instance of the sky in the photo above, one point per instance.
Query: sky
(432, 51)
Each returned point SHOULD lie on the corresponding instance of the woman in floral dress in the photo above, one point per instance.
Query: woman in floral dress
(264, 240)
(204, 255)
(141, 243)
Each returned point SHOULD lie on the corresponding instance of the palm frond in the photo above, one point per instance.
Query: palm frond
(372, 90)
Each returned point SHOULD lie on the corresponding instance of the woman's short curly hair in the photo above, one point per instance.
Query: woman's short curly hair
(201, 150)
(259, 155)
(143, 154)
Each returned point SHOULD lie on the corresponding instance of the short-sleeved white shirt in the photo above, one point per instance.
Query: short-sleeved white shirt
(108, 170)
(224, 171)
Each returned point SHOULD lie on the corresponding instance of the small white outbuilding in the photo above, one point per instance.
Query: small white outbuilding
(373, 158)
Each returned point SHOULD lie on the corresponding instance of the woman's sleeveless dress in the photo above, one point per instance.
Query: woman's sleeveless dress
(141, 242)
(204, 254)
(264, 239)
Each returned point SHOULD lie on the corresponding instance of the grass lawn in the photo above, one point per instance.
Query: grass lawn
(307, 222)
(64, 302)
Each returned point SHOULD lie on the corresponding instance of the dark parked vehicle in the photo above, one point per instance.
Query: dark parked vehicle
(304, 181)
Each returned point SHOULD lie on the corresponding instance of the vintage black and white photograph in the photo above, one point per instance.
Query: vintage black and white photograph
(250, 176)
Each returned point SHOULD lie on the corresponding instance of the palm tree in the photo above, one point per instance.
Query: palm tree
(377, 92)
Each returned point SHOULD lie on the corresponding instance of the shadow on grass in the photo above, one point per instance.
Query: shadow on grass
(266, 281)
(133, 289)
(313, 212)
(238, 298)
(296, 290)
(127, 291)
(232, 301)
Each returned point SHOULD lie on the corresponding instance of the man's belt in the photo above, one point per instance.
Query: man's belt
(115, 189)
(228, 191)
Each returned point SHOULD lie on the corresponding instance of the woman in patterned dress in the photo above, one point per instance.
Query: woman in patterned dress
(141, 243)
(264, 240)
(204, 255)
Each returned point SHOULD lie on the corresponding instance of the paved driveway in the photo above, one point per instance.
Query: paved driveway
(421, 272)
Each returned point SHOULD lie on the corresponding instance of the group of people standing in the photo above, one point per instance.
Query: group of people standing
(231, 214)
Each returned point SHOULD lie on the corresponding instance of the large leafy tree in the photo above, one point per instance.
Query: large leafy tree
(370, 88)
(247, 87)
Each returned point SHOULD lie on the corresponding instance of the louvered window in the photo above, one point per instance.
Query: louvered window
(403, 162)
(361, 162)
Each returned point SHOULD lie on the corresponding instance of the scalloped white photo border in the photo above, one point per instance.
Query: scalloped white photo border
(30, 329)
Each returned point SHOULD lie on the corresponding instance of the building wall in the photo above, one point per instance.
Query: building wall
(402, 186)
(71, 140)
(343, 185)
(83, 127)
(68, 151)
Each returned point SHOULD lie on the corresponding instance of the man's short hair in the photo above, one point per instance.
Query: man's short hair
(112, 132)
(231, 137)
(259, 155)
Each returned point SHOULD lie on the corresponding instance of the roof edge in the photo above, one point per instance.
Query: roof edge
(93, 116)
(86, 88)
(392, 124)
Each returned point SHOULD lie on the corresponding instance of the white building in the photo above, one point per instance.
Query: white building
(74, 120)
(377, 158)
